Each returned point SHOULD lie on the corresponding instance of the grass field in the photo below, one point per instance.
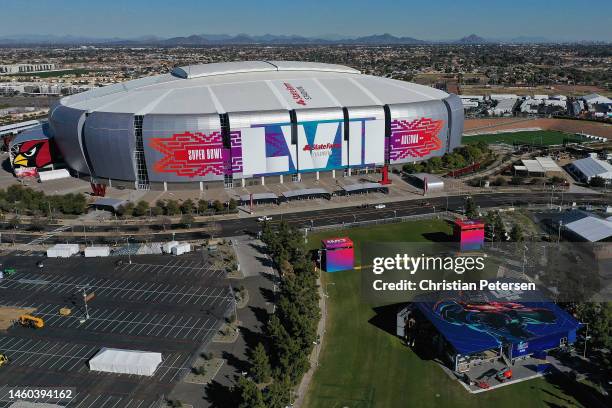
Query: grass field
(541, 137)
(363, 366)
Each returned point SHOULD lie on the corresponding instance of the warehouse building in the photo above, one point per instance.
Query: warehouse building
(589, 167)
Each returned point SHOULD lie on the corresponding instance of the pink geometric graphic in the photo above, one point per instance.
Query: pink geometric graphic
(190, 154)
(415, 138)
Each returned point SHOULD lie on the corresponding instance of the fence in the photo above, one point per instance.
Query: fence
(381, 221)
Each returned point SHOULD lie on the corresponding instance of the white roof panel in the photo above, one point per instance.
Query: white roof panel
(312, 66)
(591, 167)
(304, 93)
(243, 96)
(250, 86)
(222, 68)
(184, 101)
(591, 228)
(347, 93)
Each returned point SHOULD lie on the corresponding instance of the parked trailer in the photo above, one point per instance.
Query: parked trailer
(62, 250)
(167, 247)
(95, 251)
(53, 175)
(181, 249)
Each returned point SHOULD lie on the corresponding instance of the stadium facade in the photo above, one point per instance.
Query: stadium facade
(252, 122)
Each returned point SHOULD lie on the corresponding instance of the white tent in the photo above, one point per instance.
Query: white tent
(125, 361)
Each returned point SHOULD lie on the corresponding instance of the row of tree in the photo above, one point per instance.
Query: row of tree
(278, 366)
(24, 200)
(458, 158)
(174, 207)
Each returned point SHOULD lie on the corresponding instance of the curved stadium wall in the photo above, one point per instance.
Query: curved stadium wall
(234, 123)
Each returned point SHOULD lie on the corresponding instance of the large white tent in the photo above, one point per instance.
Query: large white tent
(125, 361)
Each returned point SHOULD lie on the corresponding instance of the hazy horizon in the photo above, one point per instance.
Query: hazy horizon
(562, 20)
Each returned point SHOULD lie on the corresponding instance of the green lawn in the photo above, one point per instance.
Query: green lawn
(541, 137)
(365, 366)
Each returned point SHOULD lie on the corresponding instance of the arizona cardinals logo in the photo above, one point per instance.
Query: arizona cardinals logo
(415, 138)
(34, 153)
(190, 154)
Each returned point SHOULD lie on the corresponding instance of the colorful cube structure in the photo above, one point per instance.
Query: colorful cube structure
(338, 254)
(470, 234)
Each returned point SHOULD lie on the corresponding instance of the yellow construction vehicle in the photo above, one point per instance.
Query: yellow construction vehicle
(31, 321)
(3, 359)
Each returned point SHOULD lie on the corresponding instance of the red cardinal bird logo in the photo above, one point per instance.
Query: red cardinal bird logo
(34, 153)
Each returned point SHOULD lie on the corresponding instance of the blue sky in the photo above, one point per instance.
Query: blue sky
(439, 19)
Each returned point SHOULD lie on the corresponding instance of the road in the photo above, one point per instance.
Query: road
(330, 216)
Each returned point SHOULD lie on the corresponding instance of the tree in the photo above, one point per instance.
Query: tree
(470, 208)
(187, 207)
(597, 181)
(172, 207)
(260, 364)
(599, 318)
(500, 181)
(202, 206)
(187, 219)
(232, 204)
(278, 393)
(218, 206)
(516, 233)
(249, 396)
(165, 222)
(516, 180)
(14, 222)
(141, 208)
(156, 211)
(128, 208)
(37, 224)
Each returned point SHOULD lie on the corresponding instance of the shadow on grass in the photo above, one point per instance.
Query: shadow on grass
(582, 393)
(220, 396)
(386, 320)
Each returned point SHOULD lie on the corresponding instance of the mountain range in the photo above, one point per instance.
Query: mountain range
(266, 39)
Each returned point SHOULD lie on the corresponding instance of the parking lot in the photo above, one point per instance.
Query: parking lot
(157, 303)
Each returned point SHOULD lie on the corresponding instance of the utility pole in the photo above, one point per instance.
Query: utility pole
(559, 233)
(127, 241)
(586, 338)
(84, 290)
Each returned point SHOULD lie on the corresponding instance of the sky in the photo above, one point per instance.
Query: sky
(431, 20)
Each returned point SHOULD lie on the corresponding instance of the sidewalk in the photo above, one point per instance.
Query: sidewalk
(314, 356)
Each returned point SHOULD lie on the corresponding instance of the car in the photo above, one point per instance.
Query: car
(380, 206)
(264, 218)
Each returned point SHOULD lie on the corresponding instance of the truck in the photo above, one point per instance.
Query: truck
(28, 320)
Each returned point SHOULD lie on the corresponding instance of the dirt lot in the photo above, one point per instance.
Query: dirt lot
(9, 314)
(563, 125)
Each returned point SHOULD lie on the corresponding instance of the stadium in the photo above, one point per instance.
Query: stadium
(233, 124)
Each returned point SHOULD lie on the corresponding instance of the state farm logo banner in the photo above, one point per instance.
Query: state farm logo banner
(190, 154)
(414, 139)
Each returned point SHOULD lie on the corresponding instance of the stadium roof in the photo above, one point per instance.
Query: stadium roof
(591, 167)
(250, 86)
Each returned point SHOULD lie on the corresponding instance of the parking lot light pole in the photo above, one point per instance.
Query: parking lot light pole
(127, 241)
